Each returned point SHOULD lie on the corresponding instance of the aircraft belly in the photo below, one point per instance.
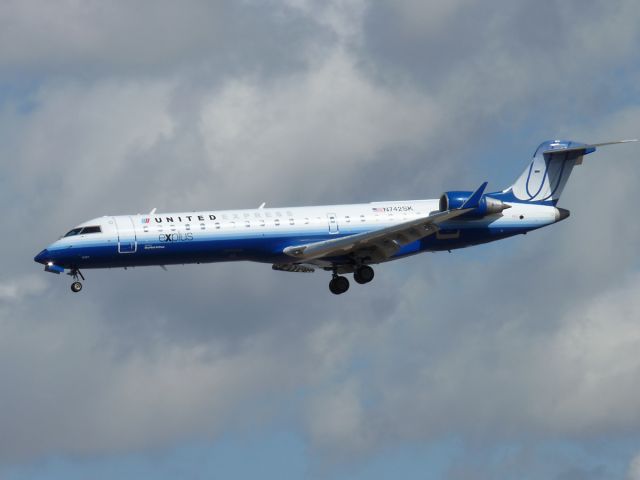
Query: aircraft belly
(467, 237)
(184, 250)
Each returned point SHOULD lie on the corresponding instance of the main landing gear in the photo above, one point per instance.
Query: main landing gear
(363, 274)
(76, 286)
(339, 284)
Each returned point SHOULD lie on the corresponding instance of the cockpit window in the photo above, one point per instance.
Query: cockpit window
(73, 232)
(83, 231)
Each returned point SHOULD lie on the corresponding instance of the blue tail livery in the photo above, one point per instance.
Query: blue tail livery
(546, 176)
(341, 239)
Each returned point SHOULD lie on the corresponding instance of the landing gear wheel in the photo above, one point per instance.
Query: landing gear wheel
(76, 287)
(363, 274)
(338, 285)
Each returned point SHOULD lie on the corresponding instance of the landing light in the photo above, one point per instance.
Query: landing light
(50, 267)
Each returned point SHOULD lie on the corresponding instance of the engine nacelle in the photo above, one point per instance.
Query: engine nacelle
(452, 200)
(487, 205)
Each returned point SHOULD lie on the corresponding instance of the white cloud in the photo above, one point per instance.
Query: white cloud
(81, 137)
(337, 420)
(594, 361)
(18, 289)
(326, 123)
(573, 379)
(67, 389)
(342, 17)
(634, 468)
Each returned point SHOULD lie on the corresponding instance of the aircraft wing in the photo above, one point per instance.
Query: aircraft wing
(379, 244)
(382, 243)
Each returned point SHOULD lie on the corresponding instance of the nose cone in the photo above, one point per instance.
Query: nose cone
(42, 257)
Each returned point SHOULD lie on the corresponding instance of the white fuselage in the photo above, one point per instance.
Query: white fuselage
(262, 234)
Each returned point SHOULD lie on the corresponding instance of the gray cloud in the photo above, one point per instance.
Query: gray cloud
(202, 107)
(144, 38)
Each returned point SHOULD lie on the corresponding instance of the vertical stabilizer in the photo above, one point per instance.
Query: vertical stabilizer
(546, 176)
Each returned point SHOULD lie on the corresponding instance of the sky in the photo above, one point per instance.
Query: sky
(517, 359)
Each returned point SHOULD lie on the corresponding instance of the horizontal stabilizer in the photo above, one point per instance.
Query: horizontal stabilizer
(563, 149)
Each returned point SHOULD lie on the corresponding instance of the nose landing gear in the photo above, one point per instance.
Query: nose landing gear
(76, 286)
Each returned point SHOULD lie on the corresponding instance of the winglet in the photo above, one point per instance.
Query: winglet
(474, 200)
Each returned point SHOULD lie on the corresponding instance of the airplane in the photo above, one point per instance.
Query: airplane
(341, 239)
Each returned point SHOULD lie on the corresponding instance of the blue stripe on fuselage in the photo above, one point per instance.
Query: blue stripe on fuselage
(265, 248)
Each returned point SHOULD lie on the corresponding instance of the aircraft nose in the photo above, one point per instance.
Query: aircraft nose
(42, 256)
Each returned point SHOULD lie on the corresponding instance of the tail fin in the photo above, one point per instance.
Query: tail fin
(545, 178)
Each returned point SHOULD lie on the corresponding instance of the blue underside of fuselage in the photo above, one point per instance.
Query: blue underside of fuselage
(257, 249)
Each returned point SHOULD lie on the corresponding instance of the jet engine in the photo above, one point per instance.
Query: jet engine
(486, 206)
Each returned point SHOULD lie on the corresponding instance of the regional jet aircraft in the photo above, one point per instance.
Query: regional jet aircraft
(341, 239)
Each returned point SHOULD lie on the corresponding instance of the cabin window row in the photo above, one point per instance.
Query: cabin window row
(278, 221)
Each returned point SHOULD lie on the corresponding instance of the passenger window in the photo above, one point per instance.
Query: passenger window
(217, 225)
(276, 222)
(202, 226)
(291, 221)
(247, 223)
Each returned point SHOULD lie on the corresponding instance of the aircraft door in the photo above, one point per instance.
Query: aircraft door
(333, 222)
(127, 240)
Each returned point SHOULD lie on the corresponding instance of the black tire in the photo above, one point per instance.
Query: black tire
(338, 285)
(363, 274)
(76, 287)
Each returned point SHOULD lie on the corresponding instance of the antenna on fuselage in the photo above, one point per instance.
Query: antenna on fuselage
(262, 205)
(152, 211)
